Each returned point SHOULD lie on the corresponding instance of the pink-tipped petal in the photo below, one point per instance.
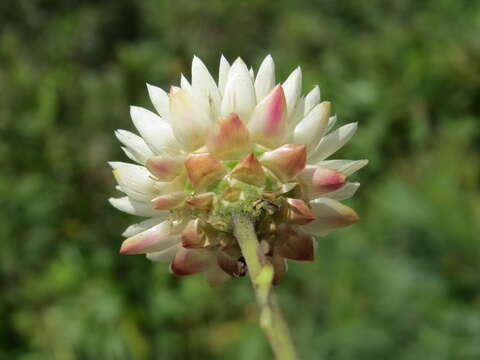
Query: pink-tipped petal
(193, 236)
(327, 180)
(269, 120)
(191, 261)
(317, 180)
(249, 171)
(330, 215)
(165, 168)
(287, 161)
(170, 201)
(203, 201)
(298, 212)
(156, 238)
(295, 244)
(204, 169)
(231, 140)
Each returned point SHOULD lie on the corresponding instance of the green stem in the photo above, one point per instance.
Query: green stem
(261, 275)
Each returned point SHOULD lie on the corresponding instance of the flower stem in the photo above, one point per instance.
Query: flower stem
(261, 275)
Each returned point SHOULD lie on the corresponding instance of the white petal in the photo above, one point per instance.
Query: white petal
(190, 124)
(205, 94)
(164, 255)
(132, 156)
(345, 192)
(295, 118)
(223, 74)
(137, 228)
(311, 129)
(293, 88)
(159, 100)
(134, 180)
(135, 145)
(265, 80)
(330, 215)
(331, 122)
(185, 84)
(332, 142)
(348, 167)
(239, 94)
(134, 207)
(156, 132)
(312, 99)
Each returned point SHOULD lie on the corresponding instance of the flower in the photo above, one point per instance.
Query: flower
(243, 143)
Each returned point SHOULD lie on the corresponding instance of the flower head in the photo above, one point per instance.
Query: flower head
(243, 143)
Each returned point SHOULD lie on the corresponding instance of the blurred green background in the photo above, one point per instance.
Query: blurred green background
(404, 283)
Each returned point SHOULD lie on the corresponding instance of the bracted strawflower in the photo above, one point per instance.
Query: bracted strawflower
(233, 179)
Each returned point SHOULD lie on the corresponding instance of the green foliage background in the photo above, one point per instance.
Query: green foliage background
(401, 284)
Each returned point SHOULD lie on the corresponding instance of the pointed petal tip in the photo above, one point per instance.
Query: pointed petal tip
(123, 250)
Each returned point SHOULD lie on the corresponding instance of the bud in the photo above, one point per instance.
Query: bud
(298, 213)
(249, 171)
(295, 244)
(231, 139)
(191, 261)
(286, 162)
(170, 201)
(204, 169)
(203, 201)
(165, 168)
